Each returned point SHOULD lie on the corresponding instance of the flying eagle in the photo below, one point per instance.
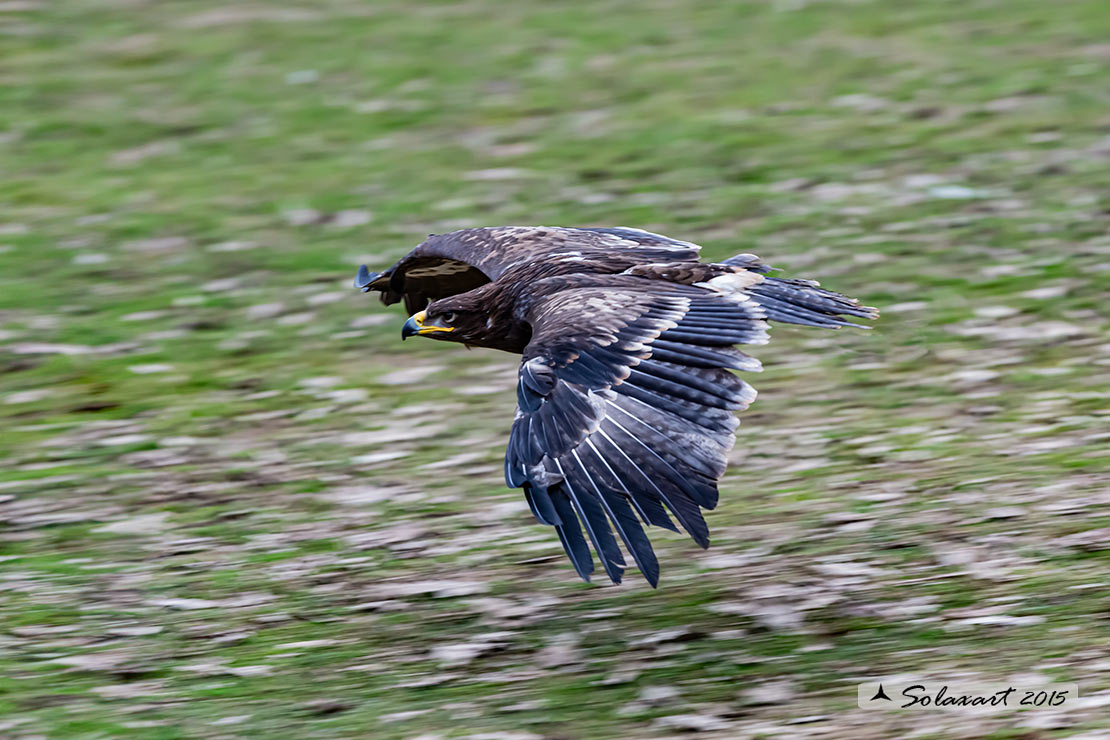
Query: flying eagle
(625, 393)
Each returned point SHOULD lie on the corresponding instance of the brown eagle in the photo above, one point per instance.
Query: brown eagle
(625, 393)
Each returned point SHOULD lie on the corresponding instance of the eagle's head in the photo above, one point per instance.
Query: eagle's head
(482, 317)
(452, 325)
(474, 318)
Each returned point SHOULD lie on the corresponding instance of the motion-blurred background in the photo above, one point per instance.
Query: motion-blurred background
(233, 506)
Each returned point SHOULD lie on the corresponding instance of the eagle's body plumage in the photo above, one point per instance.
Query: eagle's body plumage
(626, 398)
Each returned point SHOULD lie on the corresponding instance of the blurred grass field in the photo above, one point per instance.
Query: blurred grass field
(233, 505)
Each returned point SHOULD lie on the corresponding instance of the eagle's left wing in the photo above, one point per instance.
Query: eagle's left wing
(626, 405)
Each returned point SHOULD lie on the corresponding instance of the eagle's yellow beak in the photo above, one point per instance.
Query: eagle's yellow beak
(417, 325)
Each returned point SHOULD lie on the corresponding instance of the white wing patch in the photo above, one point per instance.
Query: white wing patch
(447, 267)
(733, 282)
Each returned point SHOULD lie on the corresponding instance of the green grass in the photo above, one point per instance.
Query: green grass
(946, 161)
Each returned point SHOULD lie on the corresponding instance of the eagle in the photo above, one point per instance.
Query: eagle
(626, 395)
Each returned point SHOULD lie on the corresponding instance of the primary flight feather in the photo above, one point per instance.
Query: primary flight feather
(626, 395)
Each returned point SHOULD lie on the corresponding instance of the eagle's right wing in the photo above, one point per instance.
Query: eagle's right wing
(449, 264)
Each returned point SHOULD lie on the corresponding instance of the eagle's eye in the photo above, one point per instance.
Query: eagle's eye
(449, 317)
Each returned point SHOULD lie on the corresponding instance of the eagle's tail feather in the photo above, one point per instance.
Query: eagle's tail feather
(804, 302)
